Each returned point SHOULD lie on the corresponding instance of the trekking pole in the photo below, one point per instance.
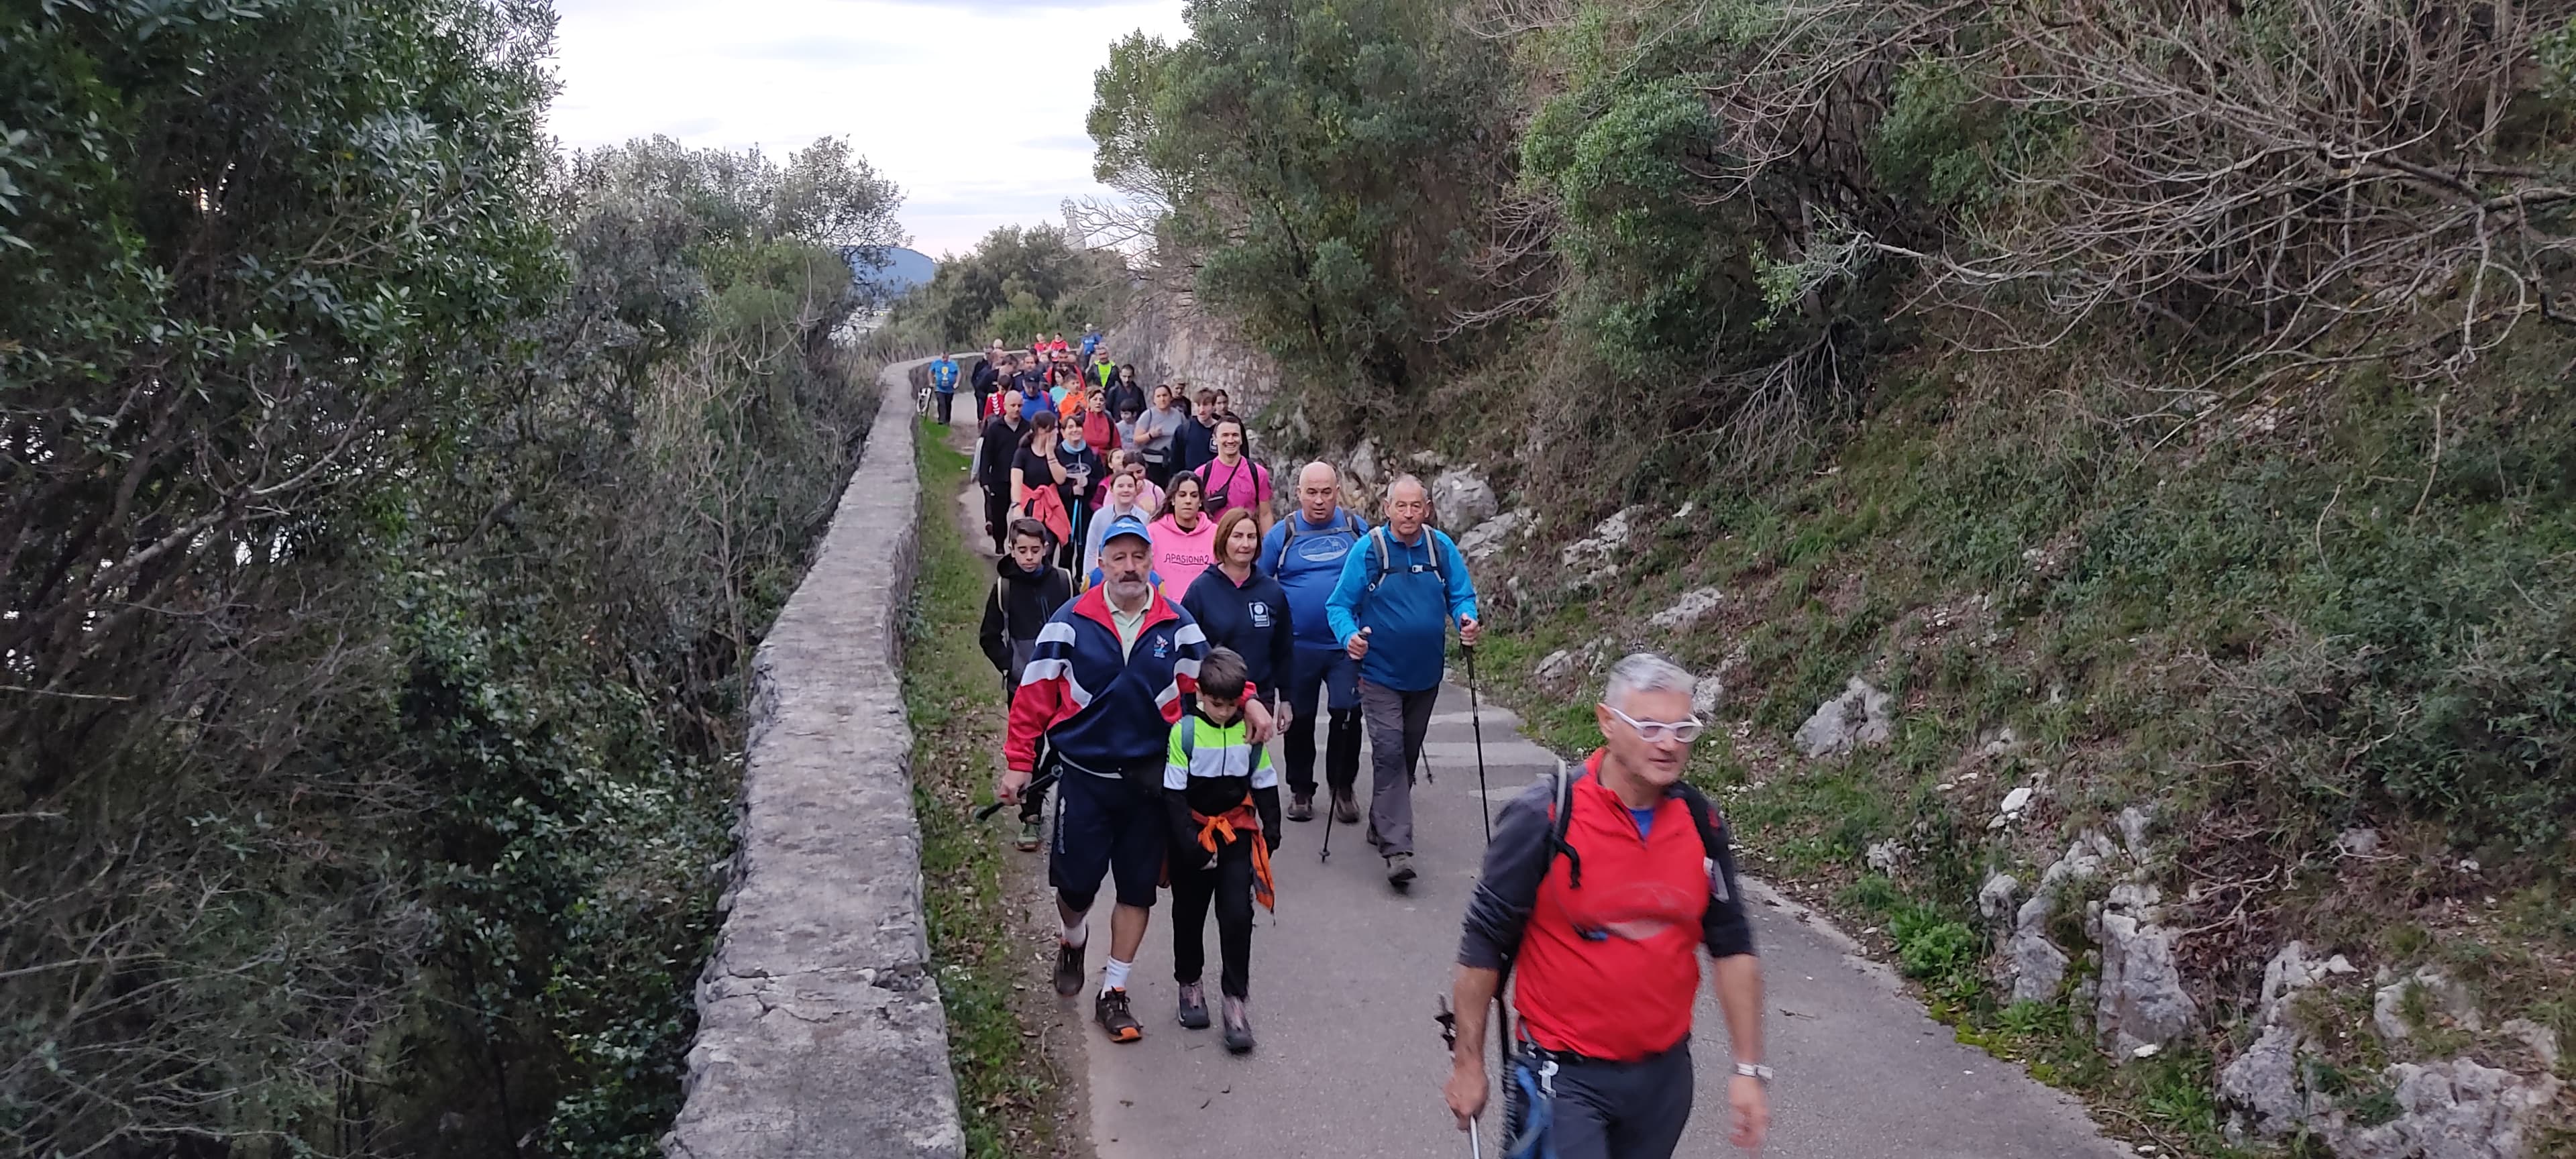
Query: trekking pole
(1329, 810)
(1448, 1020)
(1476, 721)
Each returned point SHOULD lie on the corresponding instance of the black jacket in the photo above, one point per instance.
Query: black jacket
(1251, 619)
(1001, 441)
(1125, 398)
(1019, 605)
(1198, 444)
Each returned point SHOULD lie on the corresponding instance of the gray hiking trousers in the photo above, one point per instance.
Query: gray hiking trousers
(1397, 722)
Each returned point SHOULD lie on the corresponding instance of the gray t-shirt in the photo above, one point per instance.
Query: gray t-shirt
(1154, 431)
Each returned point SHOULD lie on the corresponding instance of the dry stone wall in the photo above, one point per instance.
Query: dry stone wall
(820, 1030)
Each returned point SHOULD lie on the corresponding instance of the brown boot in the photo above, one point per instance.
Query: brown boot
(1345, 810)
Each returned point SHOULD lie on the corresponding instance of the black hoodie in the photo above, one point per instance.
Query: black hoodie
(1019, 605)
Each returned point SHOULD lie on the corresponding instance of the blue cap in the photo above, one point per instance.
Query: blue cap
(1126, 525)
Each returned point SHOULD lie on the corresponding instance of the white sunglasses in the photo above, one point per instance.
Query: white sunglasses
(1656, 731)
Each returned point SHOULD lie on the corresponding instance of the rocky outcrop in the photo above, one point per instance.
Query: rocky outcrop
(2141, 1001)
(820, 1030)
(1490, 537)
(1691, 608)
(2453, 1109)
(2034, 964)
(1462, 500)
(1170, 342)
(1858, 718)
(1597, 557)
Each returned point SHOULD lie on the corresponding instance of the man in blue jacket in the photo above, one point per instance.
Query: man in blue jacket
(1400, 588)
(943, 381)
(1305, 553)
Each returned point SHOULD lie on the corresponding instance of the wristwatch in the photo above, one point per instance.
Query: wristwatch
(1754, 1070)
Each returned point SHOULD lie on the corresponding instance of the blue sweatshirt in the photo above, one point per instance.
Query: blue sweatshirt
(943, 376)
(1310, 568)
(1409, 613)
(1252, 617)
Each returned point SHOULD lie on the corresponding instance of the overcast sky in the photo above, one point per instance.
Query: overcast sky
(971, 153)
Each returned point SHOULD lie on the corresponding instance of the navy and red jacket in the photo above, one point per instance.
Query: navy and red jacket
(1609, 970)
(1106, 710)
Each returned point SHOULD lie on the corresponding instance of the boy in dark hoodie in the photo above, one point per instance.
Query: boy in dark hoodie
(1223, 795)
(1025, 592)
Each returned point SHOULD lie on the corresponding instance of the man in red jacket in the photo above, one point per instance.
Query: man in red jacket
(1601, 892)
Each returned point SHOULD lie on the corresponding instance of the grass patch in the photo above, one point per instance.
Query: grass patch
(1004, 1087)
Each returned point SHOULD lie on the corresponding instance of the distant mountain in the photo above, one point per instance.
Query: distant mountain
(901, 269)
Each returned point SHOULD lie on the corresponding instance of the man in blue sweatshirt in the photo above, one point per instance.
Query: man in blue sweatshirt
(1399, 590)
(1305, 553)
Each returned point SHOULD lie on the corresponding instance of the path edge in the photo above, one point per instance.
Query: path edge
(820, 1028)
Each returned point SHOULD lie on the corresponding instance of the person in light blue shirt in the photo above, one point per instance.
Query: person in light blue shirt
(1305, 553)
(1401, 587)
(943, 380)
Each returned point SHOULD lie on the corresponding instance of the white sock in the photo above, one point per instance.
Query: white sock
(1077, 931)
(1114, 975)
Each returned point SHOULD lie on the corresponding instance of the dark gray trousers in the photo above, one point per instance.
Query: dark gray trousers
(1626, 1110)
(1397, 722)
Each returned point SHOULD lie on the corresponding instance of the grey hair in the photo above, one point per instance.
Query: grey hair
(1401, 480)
(1644, 672)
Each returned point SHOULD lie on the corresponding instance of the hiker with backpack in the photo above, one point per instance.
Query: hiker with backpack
(1620, 871)
(1026, 591)
(1400, 590)
(1305, 553)
(1222, 795)
(995, 453)
(1233, 480)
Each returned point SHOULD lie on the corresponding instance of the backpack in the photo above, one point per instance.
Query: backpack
(1561, 821)
(1386, 557)
(1288, 535)
(1002, 600)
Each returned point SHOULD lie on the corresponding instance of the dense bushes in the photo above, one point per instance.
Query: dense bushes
(388, 509)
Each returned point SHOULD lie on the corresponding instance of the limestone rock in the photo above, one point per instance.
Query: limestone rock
(1598, 554)
(1996, 898)
(1705, 693)
(2357, 842)
(2014, 804)
(1689, 609)
(2454, 1109)
(2443, 997)
(2542, 1040)
(2142, 999)
(2037, 967)
(1363, 461)
(2289, 972)
(1884, 857)
(2264, 1083)
(2132, 824)
(1487, 538)
(1463, 500)
(1556, 669)
(1856, 719)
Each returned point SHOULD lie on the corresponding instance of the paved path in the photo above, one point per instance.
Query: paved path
(1346, 974)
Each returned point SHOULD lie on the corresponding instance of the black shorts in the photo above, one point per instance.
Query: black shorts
(1107, 827)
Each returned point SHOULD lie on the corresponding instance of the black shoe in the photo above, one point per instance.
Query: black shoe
(1238, 1027)
(1068, 970)
(1193, 1006)
(1111, 1012)
(1301, 807)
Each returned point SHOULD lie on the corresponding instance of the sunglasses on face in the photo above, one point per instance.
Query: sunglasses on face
(1657, 731)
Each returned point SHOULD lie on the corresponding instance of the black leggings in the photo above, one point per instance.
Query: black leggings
(1229, 884)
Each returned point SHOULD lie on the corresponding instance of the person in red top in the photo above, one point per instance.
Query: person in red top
(1600, 893)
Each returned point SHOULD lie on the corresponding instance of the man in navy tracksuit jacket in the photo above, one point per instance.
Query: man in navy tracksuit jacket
(1104, 687)
(1305, 552)
(1399, 590)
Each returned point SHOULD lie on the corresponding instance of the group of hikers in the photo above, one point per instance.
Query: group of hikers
(1158, 624)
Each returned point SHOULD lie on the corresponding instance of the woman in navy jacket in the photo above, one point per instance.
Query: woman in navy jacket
(1241, 607)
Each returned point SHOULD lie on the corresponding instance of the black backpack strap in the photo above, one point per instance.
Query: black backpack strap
(1712, 832)
(1561, 821)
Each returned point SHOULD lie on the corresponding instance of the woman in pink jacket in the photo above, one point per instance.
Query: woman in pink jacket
(1184, 536)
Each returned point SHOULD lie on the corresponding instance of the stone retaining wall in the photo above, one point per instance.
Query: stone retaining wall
(820, 1031)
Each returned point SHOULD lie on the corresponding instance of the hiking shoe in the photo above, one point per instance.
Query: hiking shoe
(1399, 869)
(1194, 1006)
(1238, 1027)
(1030, 838)
(1111, 1012)
(1345, 810)
(1301, 807)
(1068, 970)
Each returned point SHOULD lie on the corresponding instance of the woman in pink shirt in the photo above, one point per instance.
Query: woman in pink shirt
(1184, 536)
(1233, 479)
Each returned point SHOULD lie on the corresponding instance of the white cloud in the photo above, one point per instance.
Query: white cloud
(922, 91)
